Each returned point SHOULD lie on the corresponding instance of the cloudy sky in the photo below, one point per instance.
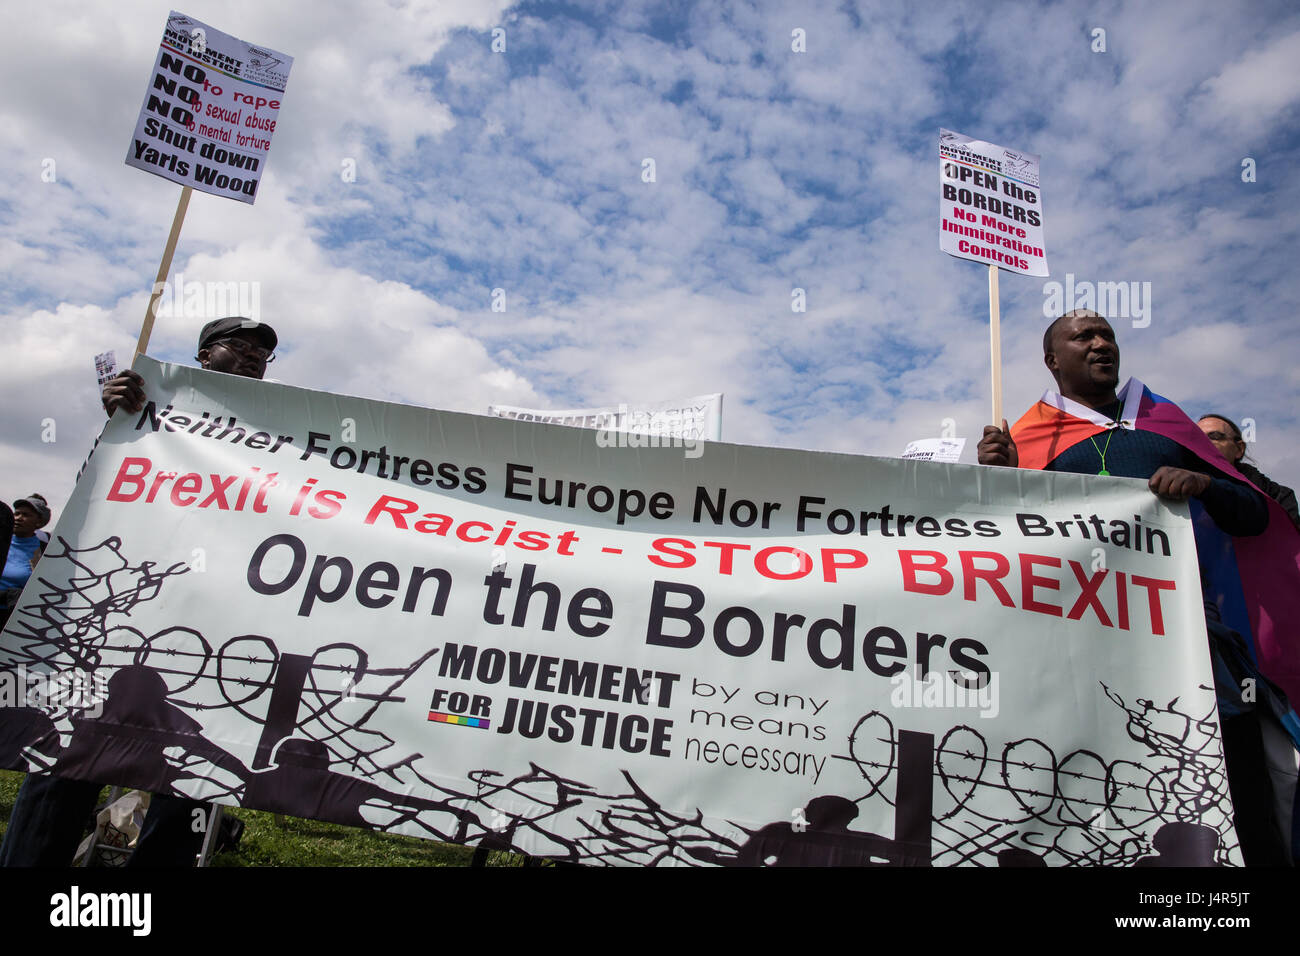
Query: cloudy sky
(774, 169)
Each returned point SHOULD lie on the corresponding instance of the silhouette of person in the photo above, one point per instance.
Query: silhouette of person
(136, 726)
(25, 727)
(1183, 844)
(821, 838)
(301, 784)
(1014, 856)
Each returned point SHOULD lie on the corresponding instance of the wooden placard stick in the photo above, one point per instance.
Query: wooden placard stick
(995, 344)
(164, 269)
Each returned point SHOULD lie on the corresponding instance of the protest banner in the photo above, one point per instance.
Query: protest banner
(210, 110)
(690, 419)
(990, 210)
(990, 204)
(469, 628)
(208, 115)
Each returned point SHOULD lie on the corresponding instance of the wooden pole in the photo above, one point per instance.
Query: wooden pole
(164, 268)
(995, 344)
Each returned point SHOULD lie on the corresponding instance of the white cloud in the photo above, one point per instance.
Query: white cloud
(1250, 93)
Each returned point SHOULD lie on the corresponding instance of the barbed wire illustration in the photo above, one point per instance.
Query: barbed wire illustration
(1078, 810)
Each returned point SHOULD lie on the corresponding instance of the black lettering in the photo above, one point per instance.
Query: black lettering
(255, 580)
(660, 611)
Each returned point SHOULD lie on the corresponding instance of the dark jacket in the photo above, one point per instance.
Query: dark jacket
(1283, 495)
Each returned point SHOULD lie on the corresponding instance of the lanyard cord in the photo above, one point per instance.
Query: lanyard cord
(1102, 451)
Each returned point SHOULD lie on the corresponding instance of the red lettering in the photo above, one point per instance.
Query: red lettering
(218, 492)
(990, 222)
(158, 481)
(564, 542)
(395, 508)
(434, 524)
(992, 576)
(1088, 596)
(910, 567)
(460, 532)
(327, 504)
(665, 546)
(1121, 600)
(182, 488)
(531, 540)
(763, 557)
(1029, 581)
(726, 549)
(124, 475)
(830, 565)
(256, 102)
(1154, 586)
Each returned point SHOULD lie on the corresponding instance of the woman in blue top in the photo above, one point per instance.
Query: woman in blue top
(30, 515)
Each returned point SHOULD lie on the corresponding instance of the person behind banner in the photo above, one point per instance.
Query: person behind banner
(30, 514)
(1091, 425)
(50, 813)
(6, 538)
(1224, 434)
(234, 345)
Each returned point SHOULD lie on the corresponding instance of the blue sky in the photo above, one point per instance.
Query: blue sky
(522, 171)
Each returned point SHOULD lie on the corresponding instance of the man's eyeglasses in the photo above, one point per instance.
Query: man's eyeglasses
(244, 350)
(1220, 436)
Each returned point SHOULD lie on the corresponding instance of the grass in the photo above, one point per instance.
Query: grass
(271, 840)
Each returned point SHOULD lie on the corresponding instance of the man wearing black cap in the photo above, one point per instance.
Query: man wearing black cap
(234, 345)
(50, 812)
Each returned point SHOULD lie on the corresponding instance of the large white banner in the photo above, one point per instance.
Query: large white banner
(990, 204)
(210, 110)
(463, 627)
